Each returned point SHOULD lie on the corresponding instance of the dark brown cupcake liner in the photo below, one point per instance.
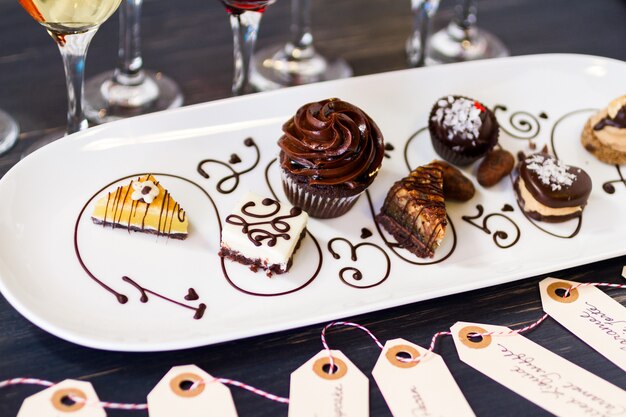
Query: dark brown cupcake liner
(315, 204)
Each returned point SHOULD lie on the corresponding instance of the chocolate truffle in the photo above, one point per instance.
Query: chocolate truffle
(331, 151)
(462, 130)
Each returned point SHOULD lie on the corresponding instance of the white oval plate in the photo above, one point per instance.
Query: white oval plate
(42, 198)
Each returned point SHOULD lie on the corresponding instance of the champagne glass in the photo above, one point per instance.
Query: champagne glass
(8, 132)
(296, 62)
(462, 40)
(129, 90)
(245, 16)
(72, 24)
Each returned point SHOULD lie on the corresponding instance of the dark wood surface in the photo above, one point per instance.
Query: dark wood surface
(190, 41)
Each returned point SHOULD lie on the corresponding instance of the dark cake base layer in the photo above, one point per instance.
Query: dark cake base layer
(538, 216)
(179, 236)
(256, 264)
(405, 237)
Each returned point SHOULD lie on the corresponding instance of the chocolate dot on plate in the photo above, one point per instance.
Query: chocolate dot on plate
(389, 147)
(234, 159)
(543, 115)
(191, 295)
(248, 142)
(365, 233)
(507, 207)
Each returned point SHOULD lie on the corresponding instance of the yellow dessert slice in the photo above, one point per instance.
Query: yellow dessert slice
(142, 206)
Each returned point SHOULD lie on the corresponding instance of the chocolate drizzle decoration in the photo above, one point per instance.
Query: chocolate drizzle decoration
(234, 175)
(499, 235)
(525, 125)
(357, 275)
(258, 235)
(199, 311)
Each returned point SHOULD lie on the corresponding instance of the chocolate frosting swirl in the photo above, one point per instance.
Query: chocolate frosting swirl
(332, 142)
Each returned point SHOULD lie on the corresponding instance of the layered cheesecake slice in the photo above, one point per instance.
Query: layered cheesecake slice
(263, 234)
(414, 211)
(143, 205)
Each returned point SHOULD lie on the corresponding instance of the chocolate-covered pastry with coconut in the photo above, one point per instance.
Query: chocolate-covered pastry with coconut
(549, 190)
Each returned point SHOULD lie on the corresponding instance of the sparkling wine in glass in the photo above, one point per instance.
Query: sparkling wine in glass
(462, 40)
(72, 24)
(8, 132)
(245, 16)
(129, 90)
(296, 62)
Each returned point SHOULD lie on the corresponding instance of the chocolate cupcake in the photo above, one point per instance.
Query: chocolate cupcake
(549, 190)
(604, 134)
(462, 130)
(330, 153)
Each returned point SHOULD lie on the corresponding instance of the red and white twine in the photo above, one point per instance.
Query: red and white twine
(283, 400)
(437, 335)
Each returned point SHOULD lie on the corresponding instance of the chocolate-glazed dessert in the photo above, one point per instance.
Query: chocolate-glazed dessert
(462, 130)
(330, 153)
(414, 211)
(143, 205)
(604, 134)
(549, 190)
(263, 234)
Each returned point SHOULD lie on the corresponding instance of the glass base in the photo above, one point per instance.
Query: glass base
(8, 132)
(277, 67)
(455, 44)
(107, 100)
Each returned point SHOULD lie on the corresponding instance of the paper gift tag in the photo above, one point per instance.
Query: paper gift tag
(173, 395)
(537, 374)
(56, 401)
(314, 391)
(424, 388)
(590, 314)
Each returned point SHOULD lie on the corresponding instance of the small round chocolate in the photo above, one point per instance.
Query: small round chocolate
(462, 130)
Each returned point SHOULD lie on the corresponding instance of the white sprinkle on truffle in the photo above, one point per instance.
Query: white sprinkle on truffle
(550, 171)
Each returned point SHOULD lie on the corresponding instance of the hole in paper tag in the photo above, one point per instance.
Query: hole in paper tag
(322, 368)
(191, 392)
(315, 392)
(181, 385)
(405, 352)
(62, 399)
(68, 397)
(470, 337)
(558, 291)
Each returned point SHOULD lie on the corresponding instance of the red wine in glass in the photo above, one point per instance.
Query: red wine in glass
(240, 6)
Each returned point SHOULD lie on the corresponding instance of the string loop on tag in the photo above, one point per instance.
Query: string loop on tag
(331, 360)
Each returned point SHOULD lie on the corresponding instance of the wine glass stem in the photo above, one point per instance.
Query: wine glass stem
(245, 27)
(129, 65)
(73, 49)
(423, 11)
(302, 37)
(466, 14)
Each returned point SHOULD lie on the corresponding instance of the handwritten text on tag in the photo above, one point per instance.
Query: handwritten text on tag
(537, 374)
(590, 314)
(418, 389)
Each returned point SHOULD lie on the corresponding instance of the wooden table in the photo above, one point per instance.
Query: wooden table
(190, 41)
